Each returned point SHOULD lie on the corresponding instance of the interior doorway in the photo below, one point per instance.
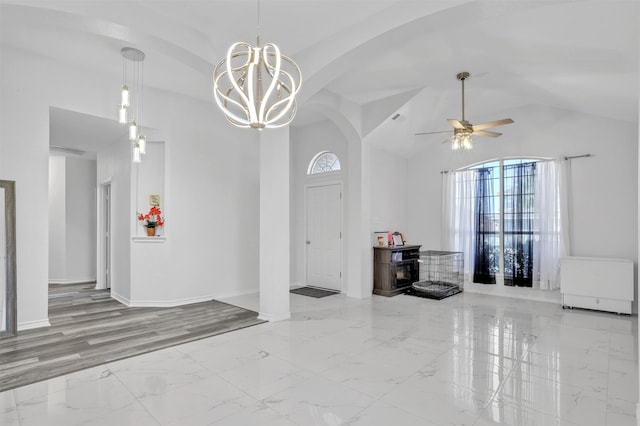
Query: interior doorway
(324, 236)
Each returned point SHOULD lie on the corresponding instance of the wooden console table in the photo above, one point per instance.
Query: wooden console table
(394, 269)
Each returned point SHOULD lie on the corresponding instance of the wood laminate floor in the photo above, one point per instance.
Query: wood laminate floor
(89, 328)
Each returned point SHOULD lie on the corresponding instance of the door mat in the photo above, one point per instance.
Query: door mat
(313, 292)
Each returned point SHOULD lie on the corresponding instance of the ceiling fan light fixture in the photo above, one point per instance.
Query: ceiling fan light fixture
(466, 142)
(463, 129)
(461, 140)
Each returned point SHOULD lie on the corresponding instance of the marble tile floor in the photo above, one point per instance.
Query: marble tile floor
(470, 359)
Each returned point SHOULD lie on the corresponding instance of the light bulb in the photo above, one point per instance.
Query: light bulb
(466, 142)
(133, 131)
(455, 143)
(122, 114)
(136, 154)
(142, 144)
(125, 96)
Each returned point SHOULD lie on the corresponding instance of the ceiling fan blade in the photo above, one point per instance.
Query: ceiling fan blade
(455, 123)
(486, 133)
(491, 124)
(448, 139)
(431, 133)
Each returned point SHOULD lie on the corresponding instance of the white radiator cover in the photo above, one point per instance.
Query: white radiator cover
(597, 283)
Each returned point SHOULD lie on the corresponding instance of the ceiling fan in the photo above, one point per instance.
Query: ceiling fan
(462, 129)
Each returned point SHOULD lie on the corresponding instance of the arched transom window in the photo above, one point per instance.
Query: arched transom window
(324, 162)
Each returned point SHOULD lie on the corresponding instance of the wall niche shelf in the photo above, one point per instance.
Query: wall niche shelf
(149, 239)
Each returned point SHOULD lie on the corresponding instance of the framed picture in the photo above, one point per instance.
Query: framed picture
(397, 240)
(380, 239)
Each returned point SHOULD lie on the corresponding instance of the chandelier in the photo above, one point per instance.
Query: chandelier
(256, 86)
(131, 98)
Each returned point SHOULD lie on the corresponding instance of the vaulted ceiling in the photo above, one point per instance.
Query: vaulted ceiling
(577, 55)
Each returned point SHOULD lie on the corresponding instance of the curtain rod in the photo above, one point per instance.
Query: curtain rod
(444, 172)
(577, 156)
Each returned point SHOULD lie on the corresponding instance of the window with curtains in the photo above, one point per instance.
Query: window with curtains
(505, 217)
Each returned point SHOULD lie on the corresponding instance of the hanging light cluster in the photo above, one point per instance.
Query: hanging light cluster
(131, 99)
(256, 86)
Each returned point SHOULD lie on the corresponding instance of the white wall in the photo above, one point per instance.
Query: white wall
(114, 168)
(80, 199)
(211, 202)
(57, 218)
(72, 219)
(306, 142)
(24, 132)
(605, 199)
(211, 186)
(389, 193)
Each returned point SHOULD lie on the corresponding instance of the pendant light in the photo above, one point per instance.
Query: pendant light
(131, 98)
(256, 86)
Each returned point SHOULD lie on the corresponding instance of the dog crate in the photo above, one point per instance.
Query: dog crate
(441, 274)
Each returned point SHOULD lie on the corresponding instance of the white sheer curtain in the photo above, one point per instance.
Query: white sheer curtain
(458, 224)
(550, 247)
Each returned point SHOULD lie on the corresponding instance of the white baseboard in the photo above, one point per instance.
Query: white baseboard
(240, 292)
(33, 324)
(121, 299)
(550, 296)
(168, 303)
(296, 284)
(273, 318)
(74, 281)
(177, 302)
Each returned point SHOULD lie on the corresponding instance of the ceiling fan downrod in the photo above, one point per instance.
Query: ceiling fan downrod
(462, 76)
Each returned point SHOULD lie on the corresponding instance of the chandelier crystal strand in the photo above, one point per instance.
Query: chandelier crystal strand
(255, 86)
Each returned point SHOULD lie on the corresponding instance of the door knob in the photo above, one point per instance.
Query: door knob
(308, 242)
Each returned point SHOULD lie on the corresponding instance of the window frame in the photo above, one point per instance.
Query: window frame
(316, 158)
(500, 163)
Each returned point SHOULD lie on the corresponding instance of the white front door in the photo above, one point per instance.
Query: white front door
(324, 236)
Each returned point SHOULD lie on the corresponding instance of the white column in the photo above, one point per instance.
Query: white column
(274, 224)
(359, 258)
